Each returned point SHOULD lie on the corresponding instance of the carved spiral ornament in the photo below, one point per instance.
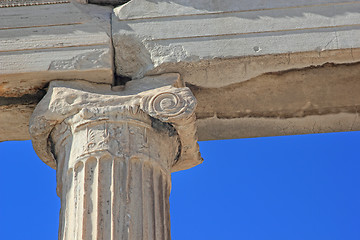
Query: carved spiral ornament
(169, 106)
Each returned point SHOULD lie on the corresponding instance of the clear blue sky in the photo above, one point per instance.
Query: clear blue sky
(278, 188)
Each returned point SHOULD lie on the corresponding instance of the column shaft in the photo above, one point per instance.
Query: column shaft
(116, 181)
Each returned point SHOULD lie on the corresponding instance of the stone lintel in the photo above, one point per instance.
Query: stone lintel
(257, 68)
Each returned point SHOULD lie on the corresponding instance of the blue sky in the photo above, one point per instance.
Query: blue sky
(277, 188)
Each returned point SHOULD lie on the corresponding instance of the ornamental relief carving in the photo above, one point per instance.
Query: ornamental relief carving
(105, 120)
(171, 105)
(115, 152)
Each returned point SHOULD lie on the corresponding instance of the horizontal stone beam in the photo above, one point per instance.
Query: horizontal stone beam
(311, 100)
(218, 43)
(41, 43)
(260, 68)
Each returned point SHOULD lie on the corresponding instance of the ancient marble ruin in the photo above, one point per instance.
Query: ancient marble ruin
(114, 151)
(115, 94)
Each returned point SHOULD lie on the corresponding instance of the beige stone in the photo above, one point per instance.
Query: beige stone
(42, 43)
(247, 39)
(114, 150)
(259, 68)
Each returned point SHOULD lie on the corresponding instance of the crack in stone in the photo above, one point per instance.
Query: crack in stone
(26, 99)
(114, 3)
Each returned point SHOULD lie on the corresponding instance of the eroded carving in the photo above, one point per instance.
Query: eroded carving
(154, 96)
(114, 153)
(170, 106)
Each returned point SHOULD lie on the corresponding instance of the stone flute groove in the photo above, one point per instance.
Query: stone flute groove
(114, 153)
(102, 191)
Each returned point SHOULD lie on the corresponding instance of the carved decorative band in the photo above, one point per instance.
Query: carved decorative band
(119, 121)
(83, 105)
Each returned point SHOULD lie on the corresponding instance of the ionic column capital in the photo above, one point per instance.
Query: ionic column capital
(114, 150)
(161, 98)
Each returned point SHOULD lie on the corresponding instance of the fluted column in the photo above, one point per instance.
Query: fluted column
(114, 152)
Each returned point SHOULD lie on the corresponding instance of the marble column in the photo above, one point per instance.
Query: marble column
(114, 150)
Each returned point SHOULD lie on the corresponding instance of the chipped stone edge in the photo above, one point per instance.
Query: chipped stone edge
(46, 115)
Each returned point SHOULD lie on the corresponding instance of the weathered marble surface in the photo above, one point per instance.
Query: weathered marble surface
(162, 101)
(195, 37)
(259, 68)
(114, 150)
(58, 41)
